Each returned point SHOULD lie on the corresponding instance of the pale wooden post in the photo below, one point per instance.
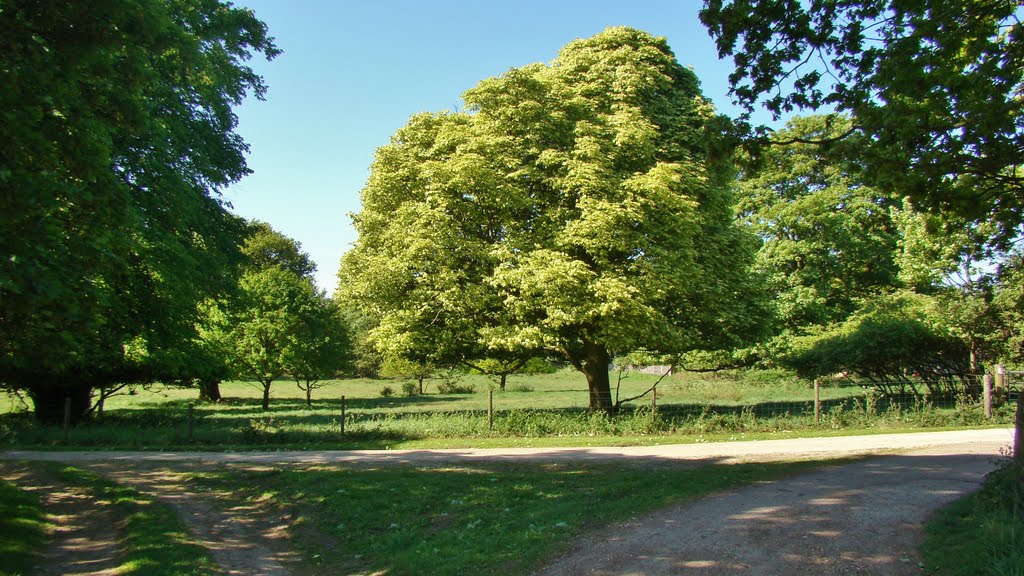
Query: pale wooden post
(67, 418)
(490, 409)
(817, 403)
(654, 403)
(987, 394)
(1001, 381)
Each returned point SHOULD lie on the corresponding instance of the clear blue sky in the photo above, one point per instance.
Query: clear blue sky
(352, 73)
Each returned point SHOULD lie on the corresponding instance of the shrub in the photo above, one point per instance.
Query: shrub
(453, 387)
(386, 392)
(410, 388)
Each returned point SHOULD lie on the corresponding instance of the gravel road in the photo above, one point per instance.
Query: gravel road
(722, 452)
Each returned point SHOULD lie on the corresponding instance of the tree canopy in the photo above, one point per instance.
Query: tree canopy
(828, 239)
(580, 207)
(933, 87)
(117, 135)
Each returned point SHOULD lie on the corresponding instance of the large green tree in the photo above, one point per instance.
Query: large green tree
(276, 321)
(116, 135)
(581, 207)
(933, 87)
(828, 239)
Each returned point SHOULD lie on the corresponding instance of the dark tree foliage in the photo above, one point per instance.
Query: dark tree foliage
(933, 86)
(116, 135)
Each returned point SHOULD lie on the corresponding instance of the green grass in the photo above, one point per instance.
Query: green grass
(483, 520)
(23, 529)
(535, 410)
(154, 540)
(978, 535)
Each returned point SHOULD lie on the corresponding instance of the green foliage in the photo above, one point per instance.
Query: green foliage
(895, 341)
(265, 248)
(386, 392)
(23, 529)
(322, 346)
(828, 240)
(933, 88)
(455, 387)
(277, 322)
(578, 208)
(1007, 339)
(117, 136)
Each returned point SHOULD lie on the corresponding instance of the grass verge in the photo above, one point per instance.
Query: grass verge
(480, 520)
(155, 541)
(23, 528)
(978, 535)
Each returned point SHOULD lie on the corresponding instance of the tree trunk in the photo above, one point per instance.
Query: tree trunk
(48, 401)
(209, 391)
(266, 394)
(501, 383)
(309, 395)
(595, 368)
(420, 380)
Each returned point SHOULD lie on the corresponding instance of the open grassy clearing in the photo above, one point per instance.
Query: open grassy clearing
(480, 520)
(544, 410)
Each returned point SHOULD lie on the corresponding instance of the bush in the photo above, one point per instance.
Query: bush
(452, 387)
(386, 392)
(410, 388)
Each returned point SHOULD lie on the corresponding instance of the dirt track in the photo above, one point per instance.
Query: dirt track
(857, 518)
(723, 452)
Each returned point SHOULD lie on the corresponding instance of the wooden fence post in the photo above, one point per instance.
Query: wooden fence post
(654, 404)
(1018, 457)
(1001, 381)
(817, 403)
(67, 418)
(490, 409)
(987, 394)
(343, 414)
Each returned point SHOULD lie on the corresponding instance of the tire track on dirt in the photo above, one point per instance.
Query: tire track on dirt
(84, 540)
(243, 539)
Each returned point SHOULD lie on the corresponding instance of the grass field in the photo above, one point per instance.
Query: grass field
(540, 410)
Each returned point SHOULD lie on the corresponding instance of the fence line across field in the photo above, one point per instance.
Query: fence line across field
(1003, 386)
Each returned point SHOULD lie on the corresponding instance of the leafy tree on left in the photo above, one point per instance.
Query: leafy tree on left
(117, 136)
